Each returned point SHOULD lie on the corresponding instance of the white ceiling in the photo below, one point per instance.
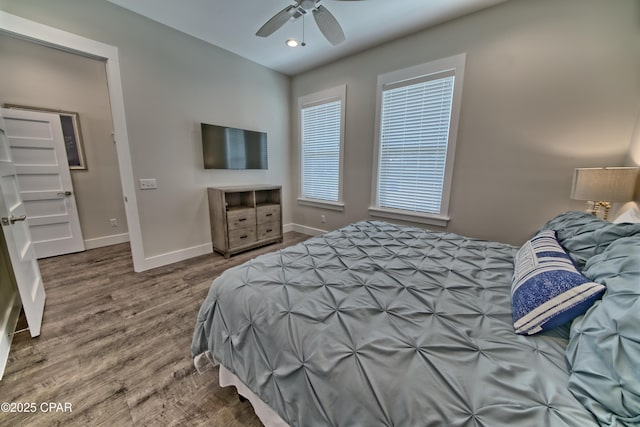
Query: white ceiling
(232, 24)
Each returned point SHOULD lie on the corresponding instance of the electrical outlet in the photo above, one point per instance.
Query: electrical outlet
(148, 184)
(114, 222)
(323, 219)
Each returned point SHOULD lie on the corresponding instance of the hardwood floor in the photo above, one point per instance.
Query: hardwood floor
(115, 345)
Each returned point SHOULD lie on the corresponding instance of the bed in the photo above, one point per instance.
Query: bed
(377, 324)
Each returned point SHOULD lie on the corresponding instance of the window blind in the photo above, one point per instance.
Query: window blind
(321, 151)
(414, 133)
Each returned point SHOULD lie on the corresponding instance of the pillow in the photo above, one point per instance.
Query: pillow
(584, 235)
(547, 289)
(631, 215)
(603, 353)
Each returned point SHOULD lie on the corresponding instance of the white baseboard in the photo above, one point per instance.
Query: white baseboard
(207, 248)
(176, 256)
(100, 242)
(310, 231)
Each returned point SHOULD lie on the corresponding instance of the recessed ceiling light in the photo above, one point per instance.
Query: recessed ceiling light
(292, 42)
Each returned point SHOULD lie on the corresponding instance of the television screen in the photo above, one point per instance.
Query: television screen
(230, 148)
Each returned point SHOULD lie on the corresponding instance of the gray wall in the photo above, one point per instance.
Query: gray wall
(171, 83)
(35, 75)
(633, 159)
(550, 85)
(634, 149)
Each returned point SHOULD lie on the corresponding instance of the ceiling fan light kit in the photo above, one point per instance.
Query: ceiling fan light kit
(327, 23)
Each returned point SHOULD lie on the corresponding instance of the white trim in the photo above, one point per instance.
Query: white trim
(453, 64)
(7, 329)
(177, 256)
(321, 204)
(309, 231)
(194, 251)
(207, 248)
(49, 36)
(100, 242)
(416, 217)
(324, 96)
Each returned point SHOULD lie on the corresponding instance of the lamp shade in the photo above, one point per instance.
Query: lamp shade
(614, 184)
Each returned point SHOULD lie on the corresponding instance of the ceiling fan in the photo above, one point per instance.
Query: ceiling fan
(326, 22)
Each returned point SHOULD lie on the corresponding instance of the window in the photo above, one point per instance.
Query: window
(417, 120)
(321, 141)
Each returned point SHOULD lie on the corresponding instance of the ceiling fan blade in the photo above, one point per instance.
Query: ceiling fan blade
(277, 21)
(328, 25)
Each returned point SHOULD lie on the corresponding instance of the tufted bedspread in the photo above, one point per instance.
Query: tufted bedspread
(377, 324)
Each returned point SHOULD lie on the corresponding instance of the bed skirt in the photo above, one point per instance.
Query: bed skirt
(267, 416)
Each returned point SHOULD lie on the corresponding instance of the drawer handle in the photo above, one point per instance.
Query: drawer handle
(269, 230)
(242, 219)
(244, 237)
(269, 214)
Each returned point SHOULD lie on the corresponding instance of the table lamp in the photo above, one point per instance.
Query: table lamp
(601, 186)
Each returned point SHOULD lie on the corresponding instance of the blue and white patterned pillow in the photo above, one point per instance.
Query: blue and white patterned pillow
(547, 289)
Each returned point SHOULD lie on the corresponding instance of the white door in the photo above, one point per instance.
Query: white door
(40, 158)
(20, 247)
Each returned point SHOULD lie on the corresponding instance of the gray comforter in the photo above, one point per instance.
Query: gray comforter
(377, 324)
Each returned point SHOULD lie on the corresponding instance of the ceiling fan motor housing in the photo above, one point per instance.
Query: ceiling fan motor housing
(307, 4)
(327, 23)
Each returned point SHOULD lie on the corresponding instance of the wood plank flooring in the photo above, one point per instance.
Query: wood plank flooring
(116, 345)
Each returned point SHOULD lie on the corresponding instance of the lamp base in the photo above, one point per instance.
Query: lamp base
(595, 210)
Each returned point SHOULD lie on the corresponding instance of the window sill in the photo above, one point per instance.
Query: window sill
(334, 206)
(430, 219)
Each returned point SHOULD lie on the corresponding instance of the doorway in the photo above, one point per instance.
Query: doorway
(41, 80)
(16, 26)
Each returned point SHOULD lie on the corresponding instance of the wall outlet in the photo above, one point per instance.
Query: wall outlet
(148, 184)
(114, 222)
(323, 219)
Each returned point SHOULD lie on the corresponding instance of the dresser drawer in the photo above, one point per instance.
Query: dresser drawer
(269, 213)
(241, 218)
(267, 230)
(242, 236)
(235, 212)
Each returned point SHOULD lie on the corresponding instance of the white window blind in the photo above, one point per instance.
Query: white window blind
(321, 141)
(414, 134)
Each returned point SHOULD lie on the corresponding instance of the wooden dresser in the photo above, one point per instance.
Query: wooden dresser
(244, 217)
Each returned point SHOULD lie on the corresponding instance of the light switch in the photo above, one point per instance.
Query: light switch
(148, 184)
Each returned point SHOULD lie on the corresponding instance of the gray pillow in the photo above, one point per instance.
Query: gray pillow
(604, 348)
(584, 235)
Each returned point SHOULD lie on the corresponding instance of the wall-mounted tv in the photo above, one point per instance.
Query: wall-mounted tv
(230, 148)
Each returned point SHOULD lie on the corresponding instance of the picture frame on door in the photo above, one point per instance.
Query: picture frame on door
(70, 122)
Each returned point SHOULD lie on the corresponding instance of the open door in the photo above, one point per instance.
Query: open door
(13, 220)
(38, 152)
(10, 304)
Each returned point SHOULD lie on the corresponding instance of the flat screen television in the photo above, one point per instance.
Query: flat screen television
(230, 148)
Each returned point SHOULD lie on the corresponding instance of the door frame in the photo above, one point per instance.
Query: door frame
(19, 27)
